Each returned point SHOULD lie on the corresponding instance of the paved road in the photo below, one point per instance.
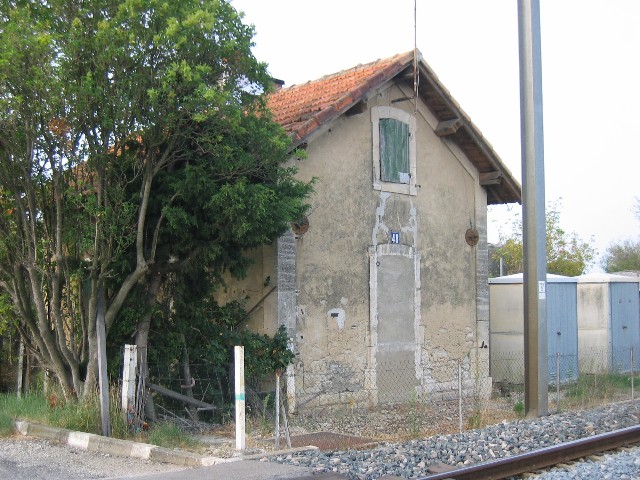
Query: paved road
(27, 458)
(50, 453)
(245, 470)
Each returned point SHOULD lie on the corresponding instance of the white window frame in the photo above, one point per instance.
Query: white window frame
(390, 112)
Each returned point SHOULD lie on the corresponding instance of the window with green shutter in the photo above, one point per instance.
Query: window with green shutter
(394, 151)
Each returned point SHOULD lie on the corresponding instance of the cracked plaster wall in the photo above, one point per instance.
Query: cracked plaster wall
(332, 329)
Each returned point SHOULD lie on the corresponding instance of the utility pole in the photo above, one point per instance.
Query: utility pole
(536, 362)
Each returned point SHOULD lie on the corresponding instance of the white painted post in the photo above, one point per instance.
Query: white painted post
(20, 367)
(238, 353)
(291, 387)
(632, 374)
(277, 410)
(459, 396)
(130, 362)
(557, 382)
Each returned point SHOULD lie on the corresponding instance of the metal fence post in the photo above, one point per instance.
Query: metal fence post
(557, 381)
(238, 353)
(459, 396)
(632, 374)
(20, 379)
(277, 410)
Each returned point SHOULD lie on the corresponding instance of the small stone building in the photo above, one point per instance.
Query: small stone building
(608, 323)
(383, 286)
(507, 328)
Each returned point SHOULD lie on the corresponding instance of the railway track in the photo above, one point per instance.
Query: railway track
(525, 462)
(543, 458)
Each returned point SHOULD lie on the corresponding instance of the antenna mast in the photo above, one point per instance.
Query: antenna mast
(415, 55)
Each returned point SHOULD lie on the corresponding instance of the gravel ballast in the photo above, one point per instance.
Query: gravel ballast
(411, 459)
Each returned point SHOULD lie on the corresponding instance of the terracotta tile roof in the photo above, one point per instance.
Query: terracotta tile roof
(301, 109)
(305, 109)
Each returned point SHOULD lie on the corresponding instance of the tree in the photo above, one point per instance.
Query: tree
(625, 255)
(622, 257)
(134, 144)
(567, 254)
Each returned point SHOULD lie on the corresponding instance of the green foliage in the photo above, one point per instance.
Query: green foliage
(567, 254)
(209, 334)
(265, 418)
(414, 417)
(77, 415)
(518, 408)
(590, 388)
(168, 435)
(6, 424)
(622, 257)
(84, 416)
(7, 414)
(625, 255)
(31, 407)
(135, 144)
(8, 318)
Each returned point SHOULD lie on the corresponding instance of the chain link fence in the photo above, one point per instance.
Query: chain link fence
(343, 407)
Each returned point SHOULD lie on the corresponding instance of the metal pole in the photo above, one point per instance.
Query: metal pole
(21, 354)
(238, 353)
(533, 202)
(277, 410)
(557, 381)
(632, 374)
(459, 396)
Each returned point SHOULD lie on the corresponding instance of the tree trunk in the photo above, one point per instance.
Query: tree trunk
(142, 338)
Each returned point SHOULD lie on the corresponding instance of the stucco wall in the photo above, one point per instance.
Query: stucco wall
(337, 263)
(349, 217)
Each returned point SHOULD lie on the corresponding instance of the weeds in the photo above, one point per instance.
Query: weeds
(414, 418)
(518, 408)
(169, 435)
(593, 389)
(84, 416)
(265, 421)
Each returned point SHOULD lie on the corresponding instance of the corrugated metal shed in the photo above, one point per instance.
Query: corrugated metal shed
(506, 306)
(608, 322)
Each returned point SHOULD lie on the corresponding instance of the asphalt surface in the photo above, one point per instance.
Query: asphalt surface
(243, 469)
(180, 464)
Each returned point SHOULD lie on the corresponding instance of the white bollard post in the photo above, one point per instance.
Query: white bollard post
(21, 354)
(277, 410)
(459, 396)
(632, 374)
(130, 363)
(557, 382)
(238, 353)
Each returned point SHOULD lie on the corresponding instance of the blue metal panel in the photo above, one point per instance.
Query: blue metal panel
(624, 325)
(562, 330)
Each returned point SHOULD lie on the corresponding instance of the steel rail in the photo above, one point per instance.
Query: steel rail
(542, 458)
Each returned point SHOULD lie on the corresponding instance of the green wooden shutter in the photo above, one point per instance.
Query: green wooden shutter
(394, 150)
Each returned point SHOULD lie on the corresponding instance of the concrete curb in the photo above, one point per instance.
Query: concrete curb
(128, 448)
(258, 456)
(114, 446)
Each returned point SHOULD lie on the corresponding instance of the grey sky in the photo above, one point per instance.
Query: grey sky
(590, 71)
